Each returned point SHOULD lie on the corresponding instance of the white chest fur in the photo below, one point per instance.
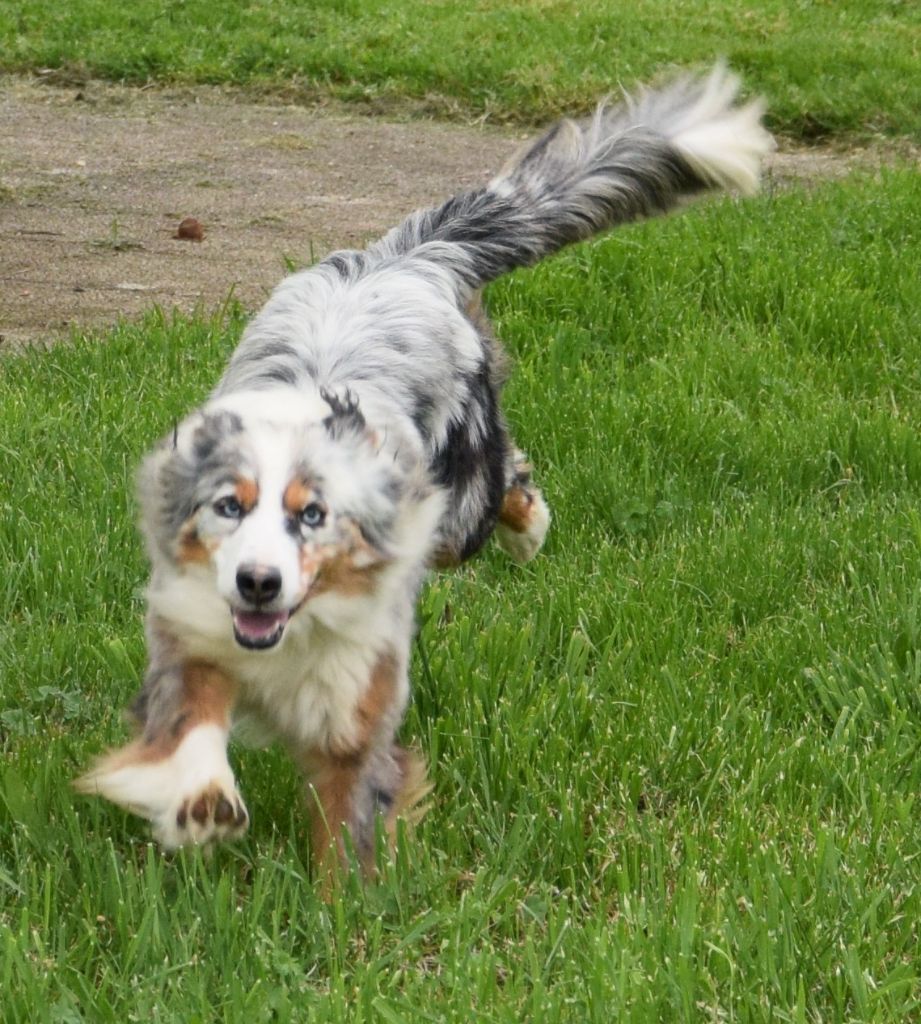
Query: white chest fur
(306, 689)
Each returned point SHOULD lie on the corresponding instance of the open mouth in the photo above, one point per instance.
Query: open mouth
(258, 631)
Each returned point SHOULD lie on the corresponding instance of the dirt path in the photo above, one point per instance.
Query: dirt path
(94, 181)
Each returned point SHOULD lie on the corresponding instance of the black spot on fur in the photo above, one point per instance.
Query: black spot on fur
(471, 463)
(213, 431)
(180, 479)
(154, 707)
(345, 416)
(277, 373)
(273, 361)
(347, 263)
(552, 204)
(383, 800)
(271, 349)
(423, 405)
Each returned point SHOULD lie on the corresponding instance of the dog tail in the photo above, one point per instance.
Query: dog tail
(631, 160)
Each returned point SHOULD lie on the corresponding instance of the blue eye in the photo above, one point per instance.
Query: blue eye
(313, 515)
(228, 507)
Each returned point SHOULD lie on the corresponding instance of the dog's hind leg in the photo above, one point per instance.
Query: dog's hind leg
(176, 773)
(524, 516)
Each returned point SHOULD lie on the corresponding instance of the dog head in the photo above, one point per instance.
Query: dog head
(276, 498)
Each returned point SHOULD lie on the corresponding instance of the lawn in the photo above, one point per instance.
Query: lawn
(676, 757)
(830, 67)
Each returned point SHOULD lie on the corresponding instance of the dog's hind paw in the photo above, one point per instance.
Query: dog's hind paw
(523, 522)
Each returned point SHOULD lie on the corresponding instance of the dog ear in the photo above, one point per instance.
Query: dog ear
(162, 510)
(166, 483)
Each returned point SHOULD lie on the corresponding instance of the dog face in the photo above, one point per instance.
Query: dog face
(275, 506)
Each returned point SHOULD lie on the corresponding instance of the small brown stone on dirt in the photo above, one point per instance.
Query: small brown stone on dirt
(190, 230)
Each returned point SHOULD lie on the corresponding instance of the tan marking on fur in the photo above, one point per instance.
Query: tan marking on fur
(208, 694)
(247, 493)
(333, 781)
(410, 802)
(190, 548)
(207, 697)
(371, 708)
(336, 773)
(296, 497)
(338, 572)
(310, 565)
(517, 510)
(350, 569)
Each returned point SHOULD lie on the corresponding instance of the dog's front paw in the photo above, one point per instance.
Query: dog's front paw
(212, 814)
(189, 793)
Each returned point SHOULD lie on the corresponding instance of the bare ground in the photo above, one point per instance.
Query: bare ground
(95, 179)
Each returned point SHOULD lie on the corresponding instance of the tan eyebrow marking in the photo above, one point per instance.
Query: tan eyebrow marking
(247, 492)
(297, 496)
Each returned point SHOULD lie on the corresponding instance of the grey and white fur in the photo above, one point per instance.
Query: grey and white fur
(354, 439)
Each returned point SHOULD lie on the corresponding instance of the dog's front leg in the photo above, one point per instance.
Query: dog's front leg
(176, 773)
(338, 801)
(363, 775)
(349, 793)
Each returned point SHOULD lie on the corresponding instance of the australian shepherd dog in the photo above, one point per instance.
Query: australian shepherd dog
(354, 440)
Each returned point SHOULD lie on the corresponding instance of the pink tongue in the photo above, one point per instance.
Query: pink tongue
(259, 624)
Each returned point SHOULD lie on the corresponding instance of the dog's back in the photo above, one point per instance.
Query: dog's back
(393, 323)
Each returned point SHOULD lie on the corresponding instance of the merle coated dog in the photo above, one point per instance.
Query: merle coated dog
(354, 440)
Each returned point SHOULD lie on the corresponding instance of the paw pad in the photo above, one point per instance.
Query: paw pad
(212, 814)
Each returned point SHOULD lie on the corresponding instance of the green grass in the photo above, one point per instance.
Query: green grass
(676, 757)
(828, 66)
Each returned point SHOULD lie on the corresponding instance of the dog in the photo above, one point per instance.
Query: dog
(355, 440)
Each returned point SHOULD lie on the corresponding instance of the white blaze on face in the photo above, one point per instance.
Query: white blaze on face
(284, 513)
(262, 537)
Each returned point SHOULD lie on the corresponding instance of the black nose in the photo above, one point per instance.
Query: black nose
(258, 584)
